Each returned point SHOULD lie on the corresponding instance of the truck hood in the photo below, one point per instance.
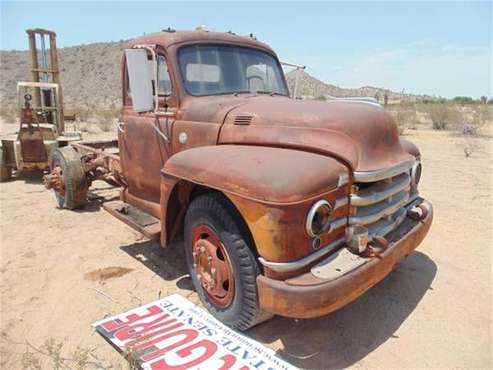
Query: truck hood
(361, 134)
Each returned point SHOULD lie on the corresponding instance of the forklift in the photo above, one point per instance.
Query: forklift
(42, 126)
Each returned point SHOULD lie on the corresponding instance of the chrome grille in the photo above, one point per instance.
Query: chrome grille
(379, 205)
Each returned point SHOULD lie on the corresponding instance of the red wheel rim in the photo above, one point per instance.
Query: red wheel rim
(212, 266)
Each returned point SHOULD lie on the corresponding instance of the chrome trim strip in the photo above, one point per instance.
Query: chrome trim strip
(376, 196)
(343, 180)
(294, 265)
(373, 217)
(377, 229)
(334, 225)
(340, 202)
(371, 176)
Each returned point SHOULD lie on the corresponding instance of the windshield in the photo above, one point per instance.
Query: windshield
(223, 69)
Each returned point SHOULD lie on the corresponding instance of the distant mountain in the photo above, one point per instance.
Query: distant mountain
(90, 75)
(311, 88)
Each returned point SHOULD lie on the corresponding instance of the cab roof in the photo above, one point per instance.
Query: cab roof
(167, 38)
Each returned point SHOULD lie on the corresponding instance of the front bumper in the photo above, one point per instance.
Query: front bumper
(309, 296)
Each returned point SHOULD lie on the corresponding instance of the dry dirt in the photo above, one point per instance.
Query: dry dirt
(63, 270)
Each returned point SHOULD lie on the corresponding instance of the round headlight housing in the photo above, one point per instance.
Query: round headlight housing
(319, 218)
(416, 173)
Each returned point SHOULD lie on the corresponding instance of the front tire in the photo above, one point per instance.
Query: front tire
(222, 265)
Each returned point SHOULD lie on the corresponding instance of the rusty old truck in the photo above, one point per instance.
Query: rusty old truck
(286, 206)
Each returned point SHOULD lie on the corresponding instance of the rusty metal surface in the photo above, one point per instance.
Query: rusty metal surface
(32, 145)
(278, 229)
(135, 218)
(54, 180)
(264, 174)
(142, 156)
(286, 154)
(168, 39)
(308, 296)
(363, 135)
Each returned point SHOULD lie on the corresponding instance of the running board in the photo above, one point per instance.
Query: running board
(139, 220)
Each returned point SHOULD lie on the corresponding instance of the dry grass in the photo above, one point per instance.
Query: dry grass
(405, 118)
(444, 115)
(95, 118)
(9, 113)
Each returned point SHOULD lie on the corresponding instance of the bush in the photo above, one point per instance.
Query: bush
(480, 115)
(444, 115)
(405, 119)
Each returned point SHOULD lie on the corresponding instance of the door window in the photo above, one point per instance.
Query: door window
(164, 81)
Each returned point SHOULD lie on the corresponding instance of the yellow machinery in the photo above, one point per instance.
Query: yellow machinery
(42, 122)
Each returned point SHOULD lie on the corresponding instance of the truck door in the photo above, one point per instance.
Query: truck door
(142, 134)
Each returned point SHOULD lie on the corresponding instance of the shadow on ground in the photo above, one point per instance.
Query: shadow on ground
(346, 336)
(169, 263)
(335, 341)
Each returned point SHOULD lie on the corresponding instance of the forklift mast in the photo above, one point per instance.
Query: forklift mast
(44, 68)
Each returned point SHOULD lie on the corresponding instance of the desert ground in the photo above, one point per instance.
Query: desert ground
(63, 270)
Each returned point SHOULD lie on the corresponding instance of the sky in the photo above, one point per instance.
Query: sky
(437, 48)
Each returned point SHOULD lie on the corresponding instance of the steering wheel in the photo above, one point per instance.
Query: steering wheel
(250, 83)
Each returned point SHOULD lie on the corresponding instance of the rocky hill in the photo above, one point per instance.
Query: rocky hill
(311, 88)
(90, 74)
(91, 77)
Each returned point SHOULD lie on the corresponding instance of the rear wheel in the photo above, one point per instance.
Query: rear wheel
(222, 265)
(5, 171)
(67, 178)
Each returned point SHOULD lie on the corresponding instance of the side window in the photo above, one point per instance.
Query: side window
(164, 82)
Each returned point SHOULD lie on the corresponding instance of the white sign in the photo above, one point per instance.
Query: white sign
(174, 333)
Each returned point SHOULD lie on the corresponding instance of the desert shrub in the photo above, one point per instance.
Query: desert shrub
(463, 100)
(405, 119)
(444, 115)
(480, 115)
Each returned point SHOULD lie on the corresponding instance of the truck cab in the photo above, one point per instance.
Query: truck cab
(286, 206)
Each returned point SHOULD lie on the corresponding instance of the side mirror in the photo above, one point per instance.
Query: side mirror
(140, 80)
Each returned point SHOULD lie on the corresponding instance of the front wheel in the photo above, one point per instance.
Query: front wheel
(67, 178)
(222, 266)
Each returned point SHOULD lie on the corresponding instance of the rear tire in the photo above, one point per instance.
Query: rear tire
(74, 194)
(213, 214)
(5, 171)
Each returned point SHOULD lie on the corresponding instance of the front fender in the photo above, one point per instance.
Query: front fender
(263, 174)
(273, 189)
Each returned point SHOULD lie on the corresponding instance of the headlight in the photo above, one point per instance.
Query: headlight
(416, 173)
(319, 218)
